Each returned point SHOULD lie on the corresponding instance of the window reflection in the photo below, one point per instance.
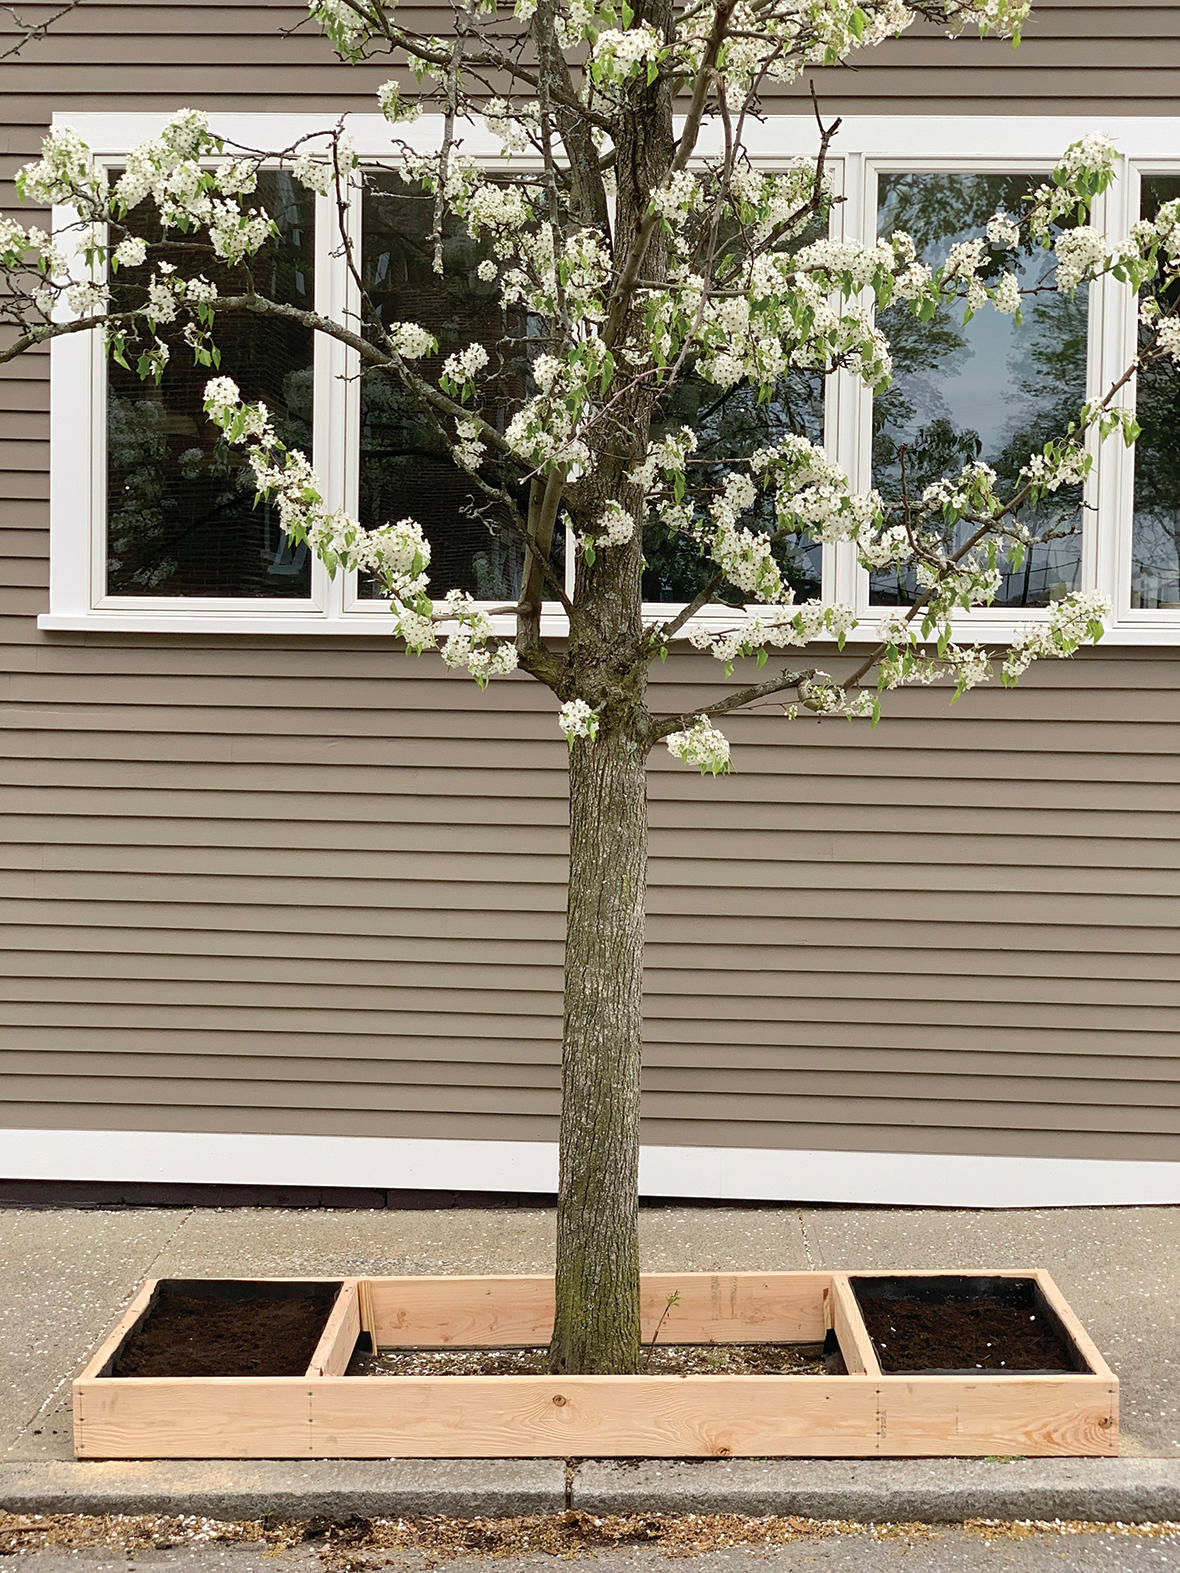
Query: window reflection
(986, 389)
(181, 515)
(405, 466)
(1155, 540)
(730, 423)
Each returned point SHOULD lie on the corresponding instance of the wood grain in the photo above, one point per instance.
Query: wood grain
(595, 1416)
(1030, 1416)
(195, 1417)
(475, 1312)
(853, 1336)
(341, 1331)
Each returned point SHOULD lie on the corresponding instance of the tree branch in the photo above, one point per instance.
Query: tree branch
(661, 726)
(32, 32)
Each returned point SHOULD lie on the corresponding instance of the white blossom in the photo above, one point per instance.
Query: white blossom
(1167, 331)
(394, 106)
(129, 253)
(1079, 250)
(1003, 231)
(702, 745)
(1069, 623)
(316, 174)
(410, 341)
(1006, 294)
(464, 365)
(577, 719)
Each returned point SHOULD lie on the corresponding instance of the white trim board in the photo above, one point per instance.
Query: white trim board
(715, 1173)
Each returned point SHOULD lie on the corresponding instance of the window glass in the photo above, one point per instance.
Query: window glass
(181, 514)
(731, 423)
(987, 389)
(1155, 540)
(405, 468)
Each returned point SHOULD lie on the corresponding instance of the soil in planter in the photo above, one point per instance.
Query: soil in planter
(963, 1335)
(224, 1328)
(662, 1360)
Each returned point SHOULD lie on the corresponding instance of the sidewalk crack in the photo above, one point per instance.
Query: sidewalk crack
(811, 1261)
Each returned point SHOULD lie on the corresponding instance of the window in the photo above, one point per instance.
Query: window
(731, 422)
(404, 465)
(984, 389)
(154, 526)
(181, 521)
(1155, 536)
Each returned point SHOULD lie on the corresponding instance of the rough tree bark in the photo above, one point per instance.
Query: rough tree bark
(597, 1322)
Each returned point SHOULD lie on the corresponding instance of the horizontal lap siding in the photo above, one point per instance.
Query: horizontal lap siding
(309, 887)
(1078, 55)
(241, 896)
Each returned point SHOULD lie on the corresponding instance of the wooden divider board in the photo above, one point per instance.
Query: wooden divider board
(477, 1312)
(851, 1333)
(331, 1416)
(341, 1331)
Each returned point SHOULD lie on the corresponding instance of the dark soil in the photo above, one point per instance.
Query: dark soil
(194, 1330)
(663, 1360)
(963, 1335)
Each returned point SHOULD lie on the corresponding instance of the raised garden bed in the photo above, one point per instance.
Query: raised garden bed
(300, 1379)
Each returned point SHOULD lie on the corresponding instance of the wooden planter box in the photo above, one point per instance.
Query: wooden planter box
(326, 1414)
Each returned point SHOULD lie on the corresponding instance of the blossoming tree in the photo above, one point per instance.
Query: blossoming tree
(634, 248)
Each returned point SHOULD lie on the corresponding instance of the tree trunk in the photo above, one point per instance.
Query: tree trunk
(597, 1324)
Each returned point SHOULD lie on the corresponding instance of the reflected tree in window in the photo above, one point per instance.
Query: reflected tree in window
(984, 387)
(1155, 541)
(730, 423)
(182, 519)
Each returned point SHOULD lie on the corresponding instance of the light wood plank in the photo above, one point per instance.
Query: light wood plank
(596, 1416)
(341, 1331)
(940, 1272)
(194, 1417)
(1029, 1416)
(476, 1312)
(1069, 1320)
(851, 1333)
(365, 1307)
(546, 1417)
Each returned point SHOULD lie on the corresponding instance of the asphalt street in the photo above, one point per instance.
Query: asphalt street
(913, 1551)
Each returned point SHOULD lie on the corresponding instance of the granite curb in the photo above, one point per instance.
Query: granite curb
(289, 1489)
(926, 1490)
(942, 1491)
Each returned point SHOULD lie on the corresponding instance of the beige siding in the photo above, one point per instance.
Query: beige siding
(314, 888)
(307, 886)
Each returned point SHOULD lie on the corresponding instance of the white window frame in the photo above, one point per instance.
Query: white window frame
(864, 146)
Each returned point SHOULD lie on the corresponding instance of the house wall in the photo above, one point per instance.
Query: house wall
(311, 888)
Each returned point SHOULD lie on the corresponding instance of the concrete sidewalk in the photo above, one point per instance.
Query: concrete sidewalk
(69, 1272)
